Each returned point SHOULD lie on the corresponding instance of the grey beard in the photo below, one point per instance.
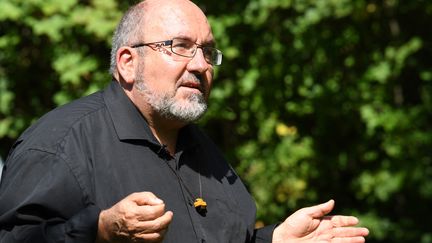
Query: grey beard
(189, 110)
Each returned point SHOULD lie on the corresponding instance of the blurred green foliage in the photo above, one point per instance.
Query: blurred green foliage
(316, 99)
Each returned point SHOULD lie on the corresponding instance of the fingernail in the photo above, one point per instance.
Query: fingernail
(356, 220)
(157, 201)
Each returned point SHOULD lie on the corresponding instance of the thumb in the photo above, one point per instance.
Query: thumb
(320, 210)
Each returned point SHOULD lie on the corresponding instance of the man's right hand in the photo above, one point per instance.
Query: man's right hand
(140, 217)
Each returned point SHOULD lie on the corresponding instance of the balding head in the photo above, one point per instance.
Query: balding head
(154, 16)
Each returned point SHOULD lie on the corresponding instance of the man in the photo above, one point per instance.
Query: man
(126, 164)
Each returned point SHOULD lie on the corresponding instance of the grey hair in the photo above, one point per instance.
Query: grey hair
(128, 31)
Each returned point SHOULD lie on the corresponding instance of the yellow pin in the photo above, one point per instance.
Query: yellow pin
(200, 204)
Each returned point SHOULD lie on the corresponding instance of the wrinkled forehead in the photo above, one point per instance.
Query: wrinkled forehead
(178, 19)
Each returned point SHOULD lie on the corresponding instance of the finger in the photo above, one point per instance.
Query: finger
(342, 221)
(149, 212)
(349, 232)
(145, 198)
(150, 237)
(358, 239)
(154, 226)
(324, 237)
(320, 210)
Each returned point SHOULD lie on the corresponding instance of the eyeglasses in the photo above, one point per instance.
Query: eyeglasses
(188, 48)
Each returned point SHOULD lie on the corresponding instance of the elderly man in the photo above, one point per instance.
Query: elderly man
(126, 165)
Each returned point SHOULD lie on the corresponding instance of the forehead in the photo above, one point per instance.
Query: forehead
(181, 18)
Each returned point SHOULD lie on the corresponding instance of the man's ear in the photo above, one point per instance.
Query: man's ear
(127, 62)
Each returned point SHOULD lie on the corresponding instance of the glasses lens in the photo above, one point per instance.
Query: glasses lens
(217, 57)
(212, 55)
(187, 48)
(183, 47)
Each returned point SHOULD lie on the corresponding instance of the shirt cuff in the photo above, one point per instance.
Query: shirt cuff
(264, 234)
(83, 227)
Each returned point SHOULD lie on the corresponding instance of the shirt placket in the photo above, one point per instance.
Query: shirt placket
(199, 231)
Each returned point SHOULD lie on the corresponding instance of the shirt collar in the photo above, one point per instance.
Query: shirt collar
(127, 119)
(130, 124)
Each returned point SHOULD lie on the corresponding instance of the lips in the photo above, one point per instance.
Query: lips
(192, 85)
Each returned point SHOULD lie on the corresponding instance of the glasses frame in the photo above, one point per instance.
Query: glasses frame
(170, 42)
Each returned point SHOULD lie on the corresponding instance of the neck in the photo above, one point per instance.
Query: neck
(165, 133)
(165, 130)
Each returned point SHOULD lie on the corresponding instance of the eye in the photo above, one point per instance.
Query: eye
(208, 53)
(183, 44)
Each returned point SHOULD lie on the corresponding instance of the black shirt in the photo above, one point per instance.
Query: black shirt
(88, 155)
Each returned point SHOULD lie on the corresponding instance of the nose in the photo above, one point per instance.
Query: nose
(198, 64)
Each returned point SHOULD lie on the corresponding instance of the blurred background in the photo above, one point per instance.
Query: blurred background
(316, 99)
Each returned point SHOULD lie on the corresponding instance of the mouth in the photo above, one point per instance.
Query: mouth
(192, 85)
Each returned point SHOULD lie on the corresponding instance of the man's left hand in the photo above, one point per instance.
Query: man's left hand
(311, 225)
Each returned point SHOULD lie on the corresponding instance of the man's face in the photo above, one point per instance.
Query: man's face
(176, 87)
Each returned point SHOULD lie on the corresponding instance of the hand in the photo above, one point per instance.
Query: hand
(310, 225)
(140, 217)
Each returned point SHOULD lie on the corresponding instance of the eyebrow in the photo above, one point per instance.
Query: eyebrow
(210, 43)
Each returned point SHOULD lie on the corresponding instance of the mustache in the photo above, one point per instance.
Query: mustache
(199, 77)
(196, 78)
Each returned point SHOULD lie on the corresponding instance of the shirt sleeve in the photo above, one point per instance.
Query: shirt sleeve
(264, 234)
(41, 200)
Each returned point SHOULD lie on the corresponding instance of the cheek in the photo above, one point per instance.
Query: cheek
(164, 75)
